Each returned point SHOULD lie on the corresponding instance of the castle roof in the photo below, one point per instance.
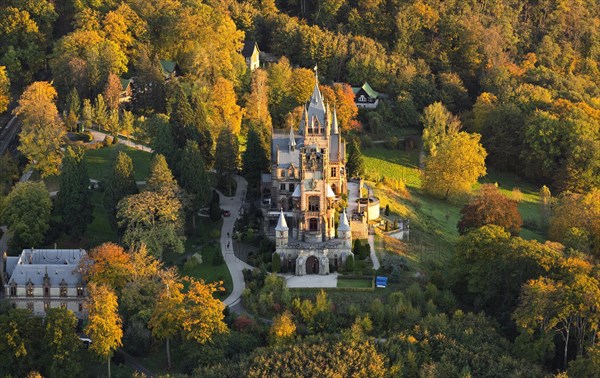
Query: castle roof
(61, 265)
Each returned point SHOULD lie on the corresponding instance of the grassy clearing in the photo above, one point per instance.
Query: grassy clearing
(99, 161)
(99, 231)
(381, 162)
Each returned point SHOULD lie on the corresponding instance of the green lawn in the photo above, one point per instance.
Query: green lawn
(360, 283)
(99, 231)
(381, 162)
(99, 161)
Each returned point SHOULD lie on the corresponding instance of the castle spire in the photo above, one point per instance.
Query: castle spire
(292, 139)
(334, 123)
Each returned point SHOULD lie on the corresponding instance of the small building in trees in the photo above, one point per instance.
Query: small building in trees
(40, 279)
(251, 54)
(366, 97)
(301, 194)
(126, 91)
(169, 69)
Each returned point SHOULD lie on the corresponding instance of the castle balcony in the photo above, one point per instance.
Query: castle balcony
(313, 214)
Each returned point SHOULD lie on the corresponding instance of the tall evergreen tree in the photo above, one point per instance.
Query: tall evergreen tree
(227, 158)
(100, 112)
(254, 159)
(193, 177)
(73, 200)
(355, 164)
(163, 141)
(119, 184)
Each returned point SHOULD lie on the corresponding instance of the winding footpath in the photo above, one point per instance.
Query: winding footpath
(235, 265)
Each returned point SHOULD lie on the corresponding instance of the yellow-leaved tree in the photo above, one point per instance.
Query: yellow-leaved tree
(203, 312)
(43, 131)
(104, 323)
(283, 328)
(4, 90)
(457, 164)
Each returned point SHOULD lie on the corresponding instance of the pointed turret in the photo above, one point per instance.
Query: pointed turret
(334, 123)
(344, 224)
(327, 119)
(344, 232)
(292, 143)
(281, 231)
(305, 121)
(282, 224)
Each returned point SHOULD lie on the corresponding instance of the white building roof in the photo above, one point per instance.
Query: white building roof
(329, 192)
(33, 265)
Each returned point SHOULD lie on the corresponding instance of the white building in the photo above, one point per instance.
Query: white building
(40, 279)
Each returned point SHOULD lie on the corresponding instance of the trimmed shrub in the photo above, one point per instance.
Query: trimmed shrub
(275, 263)
(350, 264)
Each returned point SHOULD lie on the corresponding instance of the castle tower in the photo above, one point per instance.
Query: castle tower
(344, 231)
(281, 232)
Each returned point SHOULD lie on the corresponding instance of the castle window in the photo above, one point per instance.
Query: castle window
(63, 291)
(80, 291)
(63, 305)
(46, 306)
(282, 187)
(29, 290)
(313, 203)
(30, 306)
(313, 224)
(333, 172)
(46, 291)
(13, 290)
(80, 307)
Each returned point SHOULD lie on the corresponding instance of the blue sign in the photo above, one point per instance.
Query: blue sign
(381, 281)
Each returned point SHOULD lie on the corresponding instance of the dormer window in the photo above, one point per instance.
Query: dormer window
(13, 289)
(80, 291)
(29, 289)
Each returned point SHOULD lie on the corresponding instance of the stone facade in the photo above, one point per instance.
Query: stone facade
(40, 279)
(307, 180)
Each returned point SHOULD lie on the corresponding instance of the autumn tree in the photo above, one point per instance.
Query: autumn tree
(438, 125)
(355, 164)
(4, 90)
(119, 184)
(203, 312)
(154, 219)
(63, 344)
(108, 264)
(112, 91)
(490, 206)
(42, 132)
(456, 165)
(104, 326)
(282, 329)
(257, 100)
(226, 113)
(577, 212)
(161, 178)
(280, 103)
(27, 214)
(227, 159)
(73, 199)
(168, 313)
(72, 112)
(20, 345)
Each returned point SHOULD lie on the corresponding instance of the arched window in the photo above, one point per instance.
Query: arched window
(313, 203)
(313, 224)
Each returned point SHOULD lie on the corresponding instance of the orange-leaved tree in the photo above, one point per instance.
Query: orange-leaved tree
(490, 207)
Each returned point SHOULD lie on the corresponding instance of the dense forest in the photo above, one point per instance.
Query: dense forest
(512, 85)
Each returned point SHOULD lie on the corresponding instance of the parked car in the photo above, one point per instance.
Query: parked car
(226, 213)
